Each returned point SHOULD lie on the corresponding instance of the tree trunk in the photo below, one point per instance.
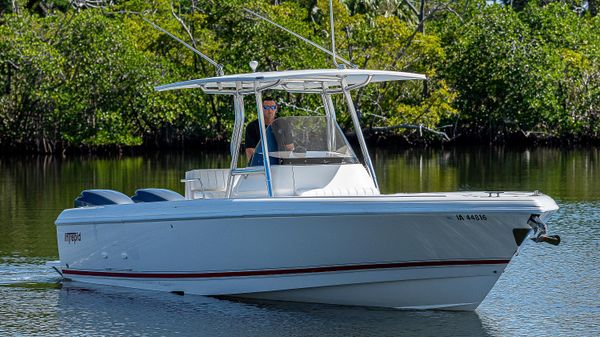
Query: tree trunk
(593, 7)
(422, 17)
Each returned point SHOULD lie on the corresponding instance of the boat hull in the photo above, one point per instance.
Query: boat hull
(441, 287)
(374, 252)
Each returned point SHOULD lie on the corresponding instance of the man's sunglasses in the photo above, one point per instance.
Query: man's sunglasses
(271, 107)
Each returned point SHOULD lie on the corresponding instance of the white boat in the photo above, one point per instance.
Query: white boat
(307, 224)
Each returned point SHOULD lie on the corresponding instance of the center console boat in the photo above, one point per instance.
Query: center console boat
(304, 221)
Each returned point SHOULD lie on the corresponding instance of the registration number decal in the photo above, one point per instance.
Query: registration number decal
(475, 217)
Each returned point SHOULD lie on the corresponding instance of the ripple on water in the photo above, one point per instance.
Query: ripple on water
(548, 290)
(96, 310)
(12, 272)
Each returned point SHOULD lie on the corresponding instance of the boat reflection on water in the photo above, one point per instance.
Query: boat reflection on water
(86, 309)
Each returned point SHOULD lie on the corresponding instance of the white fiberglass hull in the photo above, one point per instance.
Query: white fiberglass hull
(420, 251)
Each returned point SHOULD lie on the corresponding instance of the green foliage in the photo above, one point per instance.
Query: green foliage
(29, 71)
(433, 109)
(536, 70)
(383, 45)
(386, 8)
(73, 80)
(84, 77)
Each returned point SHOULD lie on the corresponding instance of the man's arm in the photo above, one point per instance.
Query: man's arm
(252, 138)
(249, 152)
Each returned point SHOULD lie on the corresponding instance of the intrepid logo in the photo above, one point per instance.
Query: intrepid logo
(72, 237)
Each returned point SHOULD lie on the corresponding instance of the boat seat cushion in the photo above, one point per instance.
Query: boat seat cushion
(208, 179)
(206, 183)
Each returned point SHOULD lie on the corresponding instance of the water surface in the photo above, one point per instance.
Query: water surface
(545, 291)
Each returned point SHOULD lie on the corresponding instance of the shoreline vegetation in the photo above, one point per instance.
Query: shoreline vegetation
(78, 77)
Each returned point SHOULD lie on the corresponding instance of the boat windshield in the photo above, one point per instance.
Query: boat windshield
(302, 140)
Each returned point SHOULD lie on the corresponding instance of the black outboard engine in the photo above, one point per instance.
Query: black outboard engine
(156, 194)
(101, 197)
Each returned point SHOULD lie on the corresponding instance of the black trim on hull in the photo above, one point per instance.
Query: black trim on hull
(283, 271)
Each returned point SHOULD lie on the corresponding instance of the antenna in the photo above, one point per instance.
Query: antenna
(335, 57)
(218, 66)
(333, 33)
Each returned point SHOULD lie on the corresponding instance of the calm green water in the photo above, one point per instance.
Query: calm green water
(545, 291)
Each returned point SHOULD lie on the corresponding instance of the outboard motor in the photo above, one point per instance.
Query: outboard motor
(540, 229)
(101, 197)
(156, 194)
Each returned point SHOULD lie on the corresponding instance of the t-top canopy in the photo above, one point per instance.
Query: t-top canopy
(304, 81)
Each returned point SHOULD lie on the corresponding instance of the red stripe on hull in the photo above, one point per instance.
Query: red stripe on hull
(284, 271)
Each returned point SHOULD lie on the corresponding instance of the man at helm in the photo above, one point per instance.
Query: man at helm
(253, 128)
